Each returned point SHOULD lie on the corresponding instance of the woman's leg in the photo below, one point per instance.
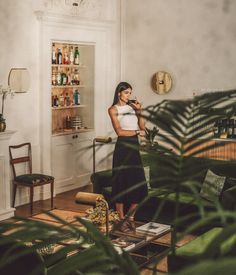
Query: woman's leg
(132, 210)
(120, 210)
(130, 215)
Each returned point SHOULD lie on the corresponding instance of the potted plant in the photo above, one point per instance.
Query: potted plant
(3, 93)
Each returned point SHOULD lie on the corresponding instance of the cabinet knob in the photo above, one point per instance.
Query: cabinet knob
(76, 136)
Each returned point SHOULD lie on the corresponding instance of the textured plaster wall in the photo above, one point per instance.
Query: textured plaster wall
(193, 40)
(19, 47)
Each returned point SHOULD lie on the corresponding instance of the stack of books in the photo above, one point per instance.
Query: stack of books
(153, 228)
(126, 243)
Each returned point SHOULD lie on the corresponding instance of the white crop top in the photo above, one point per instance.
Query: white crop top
(127, 117)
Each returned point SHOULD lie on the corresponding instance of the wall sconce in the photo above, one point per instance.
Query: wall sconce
(100, 139)
(19, 80)
(93, 199)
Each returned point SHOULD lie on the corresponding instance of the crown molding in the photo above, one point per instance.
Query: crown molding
(87, 9)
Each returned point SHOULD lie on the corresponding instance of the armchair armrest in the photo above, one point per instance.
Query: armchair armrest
(228, 198)
(100, 180)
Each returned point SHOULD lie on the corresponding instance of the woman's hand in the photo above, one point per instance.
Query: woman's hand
(142, 133)
(136, 105)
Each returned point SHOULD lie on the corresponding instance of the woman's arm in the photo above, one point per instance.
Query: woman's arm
(116, 124)
(138, 110)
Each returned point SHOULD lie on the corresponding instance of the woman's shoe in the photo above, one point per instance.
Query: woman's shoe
(131, 225)
(124, 227)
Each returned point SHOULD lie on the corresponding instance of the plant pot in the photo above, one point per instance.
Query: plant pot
(2, 124)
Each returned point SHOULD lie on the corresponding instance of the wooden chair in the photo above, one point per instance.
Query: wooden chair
(29, 180)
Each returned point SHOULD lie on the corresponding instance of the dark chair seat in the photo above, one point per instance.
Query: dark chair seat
(21, 154)
(34, 178)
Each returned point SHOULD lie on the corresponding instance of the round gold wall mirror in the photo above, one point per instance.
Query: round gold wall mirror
(19, 80)
(161, 82)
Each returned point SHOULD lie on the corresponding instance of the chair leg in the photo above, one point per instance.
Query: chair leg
(52, 189)
(14, 195)
(31, 199)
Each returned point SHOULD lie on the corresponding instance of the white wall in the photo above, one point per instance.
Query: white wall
(19, 48)
(193, 40)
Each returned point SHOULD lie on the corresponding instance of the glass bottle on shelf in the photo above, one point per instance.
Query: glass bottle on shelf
(76, 60)
(54, 56)
(61, 101)
(55, 101)
(216, 129)
(52, 98)
(59, 78)
(68, 122)
(76, 77)
(71, 55)
(68, 76)
(59, 57)
(234, 129)
(54, 77)
(76, 97)
(67, 100)
(231, 128)
(65, 56)
(64, 78)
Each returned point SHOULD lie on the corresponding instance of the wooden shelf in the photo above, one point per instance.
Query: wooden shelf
(68, 66)
(71, 131)
(68, 107)
(67, 86)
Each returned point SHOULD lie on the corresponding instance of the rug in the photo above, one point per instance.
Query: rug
(66, 215)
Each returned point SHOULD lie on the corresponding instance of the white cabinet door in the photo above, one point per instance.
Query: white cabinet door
(83, 158)
(71, 160)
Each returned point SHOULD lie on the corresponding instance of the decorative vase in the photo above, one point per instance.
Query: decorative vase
(2, 123)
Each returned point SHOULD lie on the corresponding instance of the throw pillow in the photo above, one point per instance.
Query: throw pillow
(212, 186)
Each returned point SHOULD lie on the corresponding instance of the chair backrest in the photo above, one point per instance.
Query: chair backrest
(20, 159)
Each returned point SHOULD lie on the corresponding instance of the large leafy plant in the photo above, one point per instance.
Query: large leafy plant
(90, 251)
(185, 127)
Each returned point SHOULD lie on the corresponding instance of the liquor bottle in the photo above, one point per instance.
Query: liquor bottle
(68, 76)
(54, 77)
(55, 101)
(59, 78)
(216, 129)
(52, 103)
(68, 122)
(220, 127)
(71, 55)
(76, 60)
(231, 128)
(54, 56)
(64, 78)
(234, 129)
(76, 77)
(65, 56)
(59, 57)
(76, 97)
(67, 100)
(61, 101)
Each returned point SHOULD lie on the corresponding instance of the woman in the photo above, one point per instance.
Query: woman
(129, 185)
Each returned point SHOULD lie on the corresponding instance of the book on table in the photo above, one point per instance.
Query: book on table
(153, 228)
(126, 243)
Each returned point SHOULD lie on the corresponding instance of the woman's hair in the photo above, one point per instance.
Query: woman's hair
(120, 87)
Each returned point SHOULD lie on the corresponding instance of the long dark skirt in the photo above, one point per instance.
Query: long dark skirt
(128, 172)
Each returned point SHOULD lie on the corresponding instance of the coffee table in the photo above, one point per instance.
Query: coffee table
(145, 247)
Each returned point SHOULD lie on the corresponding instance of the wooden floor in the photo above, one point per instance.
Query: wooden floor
(66, 201)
